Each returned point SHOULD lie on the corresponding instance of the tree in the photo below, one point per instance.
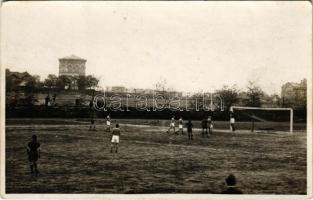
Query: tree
(9, 81)
(91, 82)
(51, 81)
(230, 96)
(161, 85)
(32, 82)
(38, 84)
(21, 81)
(254, 94)
(81, 82)
(162, 88)
(63, 81)
(13, 79)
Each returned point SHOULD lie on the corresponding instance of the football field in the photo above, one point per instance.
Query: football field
(75, 160)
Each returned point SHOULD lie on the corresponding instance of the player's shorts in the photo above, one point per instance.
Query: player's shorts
(92, 121)
(172, 125)
(115, 139)
(108, 123)
(180, 126)
(32, 156)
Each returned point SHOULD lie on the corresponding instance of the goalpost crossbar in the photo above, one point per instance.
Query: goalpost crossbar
(258, 108)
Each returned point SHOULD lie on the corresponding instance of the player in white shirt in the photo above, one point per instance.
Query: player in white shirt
(172, 125)
(232, 123)
(180, 125)
(108, 124)
(116, 132)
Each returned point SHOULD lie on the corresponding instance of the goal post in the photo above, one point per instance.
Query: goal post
(232, 108)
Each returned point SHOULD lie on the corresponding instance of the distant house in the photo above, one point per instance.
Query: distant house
(18, 80)
(72, 66)
(118, 89)
(294, 94)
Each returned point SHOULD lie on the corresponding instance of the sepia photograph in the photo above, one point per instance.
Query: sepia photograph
(159, 97)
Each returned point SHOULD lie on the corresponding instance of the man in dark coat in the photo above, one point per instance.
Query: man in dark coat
(204, 125)
(189, 130)
(33, 152)
(231, 185)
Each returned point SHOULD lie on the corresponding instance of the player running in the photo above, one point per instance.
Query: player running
(189, 130)
(172, 125)
(116, 132)
(33, 152)
(180, 125)
(108, 124)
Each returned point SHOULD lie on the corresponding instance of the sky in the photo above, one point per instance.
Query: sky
(194, 46)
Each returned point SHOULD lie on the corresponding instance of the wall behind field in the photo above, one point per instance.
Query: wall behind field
(85, 112)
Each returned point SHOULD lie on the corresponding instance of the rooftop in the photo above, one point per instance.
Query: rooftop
(72, 57)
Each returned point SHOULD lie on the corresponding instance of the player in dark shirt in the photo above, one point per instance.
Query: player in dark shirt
(210, 123)
(33, 152)
(92, 126)
(231, 185)
(204, 125)
(189, 130)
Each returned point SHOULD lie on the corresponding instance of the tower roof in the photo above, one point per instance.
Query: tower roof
(72, 57)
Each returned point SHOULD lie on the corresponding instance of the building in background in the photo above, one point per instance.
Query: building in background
(119, 89)
(72, 66)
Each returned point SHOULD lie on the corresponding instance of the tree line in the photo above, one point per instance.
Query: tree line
(24, 81)
(253, 95)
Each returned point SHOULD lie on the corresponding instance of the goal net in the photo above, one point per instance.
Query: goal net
(263, 119)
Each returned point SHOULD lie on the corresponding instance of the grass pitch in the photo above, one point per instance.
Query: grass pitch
(75, 160)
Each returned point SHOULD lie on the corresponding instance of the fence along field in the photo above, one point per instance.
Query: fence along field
(75, 160)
